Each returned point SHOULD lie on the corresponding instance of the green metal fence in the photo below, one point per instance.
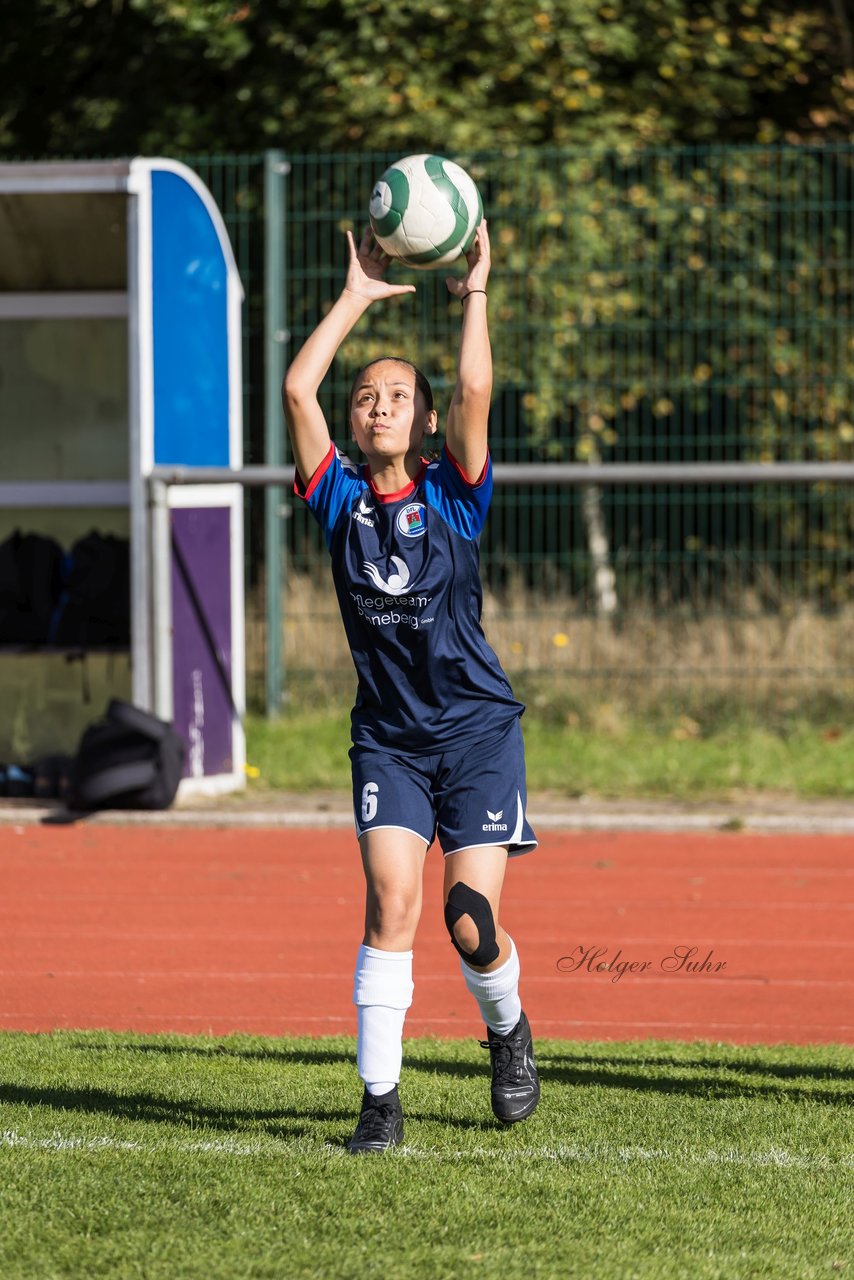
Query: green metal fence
(657, 305)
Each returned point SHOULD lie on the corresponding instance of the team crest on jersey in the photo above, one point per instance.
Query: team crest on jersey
(411, 521)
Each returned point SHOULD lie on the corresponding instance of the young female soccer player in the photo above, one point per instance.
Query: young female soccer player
(437, 748)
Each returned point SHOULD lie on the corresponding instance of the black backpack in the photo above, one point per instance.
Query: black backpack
(127, 760)
(95, 605)
(31, 568)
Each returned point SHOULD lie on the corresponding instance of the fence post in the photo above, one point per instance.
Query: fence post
(276, 169)
(161, 599)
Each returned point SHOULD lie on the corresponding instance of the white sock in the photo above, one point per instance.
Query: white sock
(497, 993)
(382, 992)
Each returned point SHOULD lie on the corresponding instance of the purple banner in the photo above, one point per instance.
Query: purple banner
(201, 630)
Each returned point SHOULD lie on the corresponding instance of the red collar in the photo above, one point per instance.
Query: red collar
(401, 493)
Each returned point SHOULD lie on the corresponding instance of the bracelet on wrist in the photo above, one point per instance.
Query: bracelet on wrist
(470, 292)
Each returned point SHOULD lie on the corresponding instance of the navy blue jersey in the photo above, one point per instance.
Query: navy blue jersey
(406, 568)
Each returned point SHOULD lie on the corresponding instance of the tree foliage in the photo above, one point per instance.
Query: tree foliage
(664, 304)
(83, 77)
(673, 283)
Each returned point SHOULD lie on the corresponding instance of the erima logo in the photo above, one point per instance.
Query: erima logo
(397, 582)
(362, 512)
(495, 823)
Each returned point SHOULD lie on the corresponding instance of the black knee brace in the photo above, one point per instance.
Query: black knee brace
(463, 901)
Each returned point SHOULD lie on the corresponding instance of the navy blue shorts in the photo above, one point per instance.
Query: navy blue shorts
(469, 797)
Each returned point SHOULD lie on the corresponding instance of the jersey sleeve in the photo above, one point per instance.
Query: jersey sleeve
(331, 491)
(461, 503)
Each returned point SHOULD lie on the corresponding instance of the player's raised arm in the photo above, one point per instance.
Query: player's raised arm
(469, 412)
(307, 424)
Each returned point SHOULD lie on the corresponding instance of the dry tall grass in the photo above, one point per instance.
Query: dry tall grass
(641, 654)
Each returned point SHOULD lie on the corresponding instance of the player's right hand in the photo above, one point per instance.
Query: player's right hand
(368, 265)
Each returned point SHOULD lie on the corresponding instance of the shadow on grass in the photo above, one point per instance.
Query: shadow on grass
(780, 1070)
(612, 1074)
(790, 1082)
(294, 1057)
(280, 1122)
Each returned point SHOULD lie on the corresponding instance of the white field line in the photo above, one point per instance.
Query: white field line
(10, 937)
(772, 1157)
(697, 906)
(204, 1024)
(196, 975)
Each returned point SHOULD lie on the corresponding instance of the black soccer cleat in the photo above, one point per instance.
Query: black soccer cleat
(380, 1124)
(515, 1083)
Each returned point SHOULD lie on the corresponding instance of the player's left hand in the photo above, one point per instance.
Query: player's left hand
(479, 261)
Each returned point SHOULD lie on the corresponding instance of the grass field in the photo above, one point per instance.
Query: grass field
(604, 750)
(128, 1156)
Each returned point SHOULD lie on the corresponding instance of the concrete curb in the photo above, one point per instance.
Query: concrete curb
(820, 818)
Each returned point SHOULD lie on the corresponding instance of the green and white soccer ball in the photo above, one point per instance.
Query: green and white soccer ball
(425, 210)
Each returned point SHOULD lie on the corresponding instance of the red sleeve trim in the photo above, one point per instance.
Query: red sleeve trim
(305, 491)
(472, 484)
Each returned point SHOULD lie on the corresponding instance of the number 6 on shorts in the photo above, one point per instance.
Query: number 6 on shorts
(369, 801)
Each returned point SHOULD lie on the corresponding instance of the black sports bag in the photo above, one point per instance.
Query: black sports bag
(127, 760)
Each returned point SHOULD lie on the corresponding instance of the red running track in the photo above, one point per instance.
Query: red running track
(222, 930)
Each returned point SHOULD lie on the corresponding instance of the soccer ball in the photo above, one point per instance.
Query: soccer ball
(425, 210)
